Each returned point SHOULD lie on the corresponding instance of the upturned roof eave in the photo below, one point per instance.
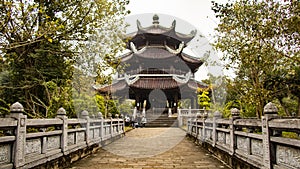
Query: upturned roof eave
(191, 59)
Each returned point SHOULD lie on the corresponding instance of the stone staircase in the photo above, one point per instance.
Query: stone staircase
(161, 120)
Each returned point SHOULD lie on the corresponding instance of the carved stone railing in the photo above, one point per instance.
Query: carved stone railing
(254, 142)
(185, 114)
(26, 143)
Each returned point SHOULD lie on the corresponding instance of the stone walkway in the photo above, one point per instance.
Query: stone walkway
(157, 148)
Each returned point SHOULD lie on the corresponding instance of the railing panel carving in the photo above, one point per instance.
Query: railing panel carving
(25, 143)
(258, 142)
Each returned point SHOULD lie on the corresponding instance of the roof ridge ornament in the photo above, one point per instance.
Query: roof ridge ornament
(173, 24)
(138, 24)
(155, 19)
(193, 32)
(177, 51)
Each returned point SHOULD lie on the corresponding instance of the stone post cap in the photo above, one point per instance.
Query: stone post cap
(198, 115)
(122, 116)
(61, 112)
(17, 107)
(205, 114)
(235, 112)
(85, 113)
(109, 115)
(270, 108)
(217, 114)
(117, 116)
(99, 115)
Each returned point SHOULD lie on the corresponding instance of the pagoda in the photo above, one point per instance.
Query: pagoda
(157, 73)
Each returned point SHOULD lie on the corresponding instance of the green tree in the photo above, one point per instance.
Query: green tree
(100, 103)
(285, 86)
(258, 38)
(204, 100)
(39, 43)
(126, 107)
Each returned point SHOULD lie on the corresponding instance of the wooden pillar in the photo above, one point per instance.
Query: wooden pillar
(175, 103)
(137, 102)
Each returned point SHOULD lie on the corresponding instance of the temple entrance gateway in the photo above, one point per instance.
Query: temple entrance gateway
(157, 99)
(157, 74)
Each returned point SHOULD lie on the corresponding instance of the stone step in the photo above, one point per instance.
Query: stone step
(161, 121)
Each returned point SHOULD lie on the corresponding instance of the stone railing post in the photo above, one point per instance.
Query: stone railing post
(179, 118)
(190, 119)
(169, 112)
(198, 116)
(217, 115)
(16, 112)
(134, 113)
(118, 123)
(61, 114)
(204, 117)
(44, 141)
(111, 127)
(101, 133)
(123, 123)
(85, 115)
(235, 114)
(189, 123)
(270, 112)
(144, 112)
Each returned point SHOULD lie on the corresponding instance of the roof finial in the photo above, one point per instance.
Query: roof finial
(155, 19)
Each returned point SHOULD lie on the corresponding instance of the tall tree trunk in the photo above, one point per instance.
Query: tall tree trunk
(284, 107)
(298, 107)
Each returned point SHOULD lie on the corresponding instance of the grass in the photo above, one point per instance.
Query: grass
(291, 135)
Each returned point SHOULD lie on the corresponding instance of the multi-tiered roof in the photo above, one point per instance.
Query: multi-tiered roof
(156, 61)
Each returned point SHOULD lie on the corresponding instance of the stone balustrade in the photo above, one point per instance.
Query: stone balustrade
(27, 143)
(248, 143)
(185, 114)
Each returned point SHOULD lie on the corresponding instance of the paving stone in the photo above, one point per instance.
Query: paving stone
(145, 148)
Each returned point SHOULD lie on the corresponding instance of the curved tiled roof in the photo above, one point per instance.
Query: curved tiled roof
(119, 85)
(156, 83)
(194, 84)
(155, 53)
(191, 59)
(157, 29)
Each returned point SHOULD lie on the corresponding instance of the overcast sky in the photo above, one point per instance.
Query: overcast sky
(196, 12)
(189, 14)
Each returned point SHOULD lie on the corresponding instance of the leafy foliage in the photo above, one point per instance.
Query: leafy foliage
(184, 103)
(126, 107)
(40, 42)
(259, 39)
(204, 100)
